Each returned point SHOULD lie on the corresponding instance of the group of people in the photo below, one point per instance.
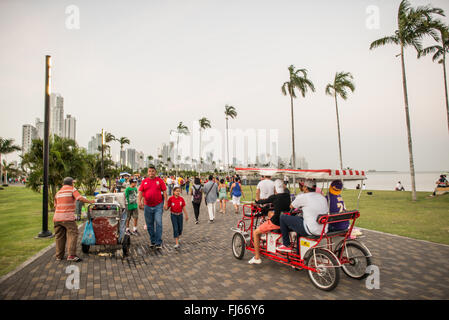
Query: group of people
(312, 203)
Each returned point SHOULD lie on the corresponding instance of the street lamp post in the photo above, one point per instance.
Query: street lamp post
(45, 232)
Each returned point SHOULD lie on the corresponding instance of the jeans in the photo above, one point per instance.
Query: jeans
(153, 216)
(176, 221)
(292, 223)
(170, 188)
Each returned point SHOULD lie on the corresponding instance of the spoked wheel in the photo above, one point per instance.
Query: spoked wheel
(238, 246)
(328, 273)
(355, 260)
(126, 244)
(241, 225)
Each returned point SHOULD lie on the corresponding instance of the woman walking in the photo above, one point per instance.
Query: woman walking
(197, 196)
(236, 193)
(222, 195)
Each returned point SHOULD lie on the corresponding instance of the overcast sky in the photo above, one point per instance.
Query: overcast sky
(138, 68)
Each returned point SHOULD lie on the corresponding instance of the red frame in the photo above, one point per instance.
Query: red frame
(294, 258)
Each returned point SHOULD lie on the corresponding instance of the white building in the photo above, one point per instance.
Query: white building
(28, 134)
(40, 126)
(56, 114)
(70, 127)
(94, 144)
(131, 159)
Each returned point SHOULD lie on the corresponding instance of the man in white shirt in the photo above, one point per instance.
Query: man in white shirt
(265, 188)
(313, 204)
(104, 185)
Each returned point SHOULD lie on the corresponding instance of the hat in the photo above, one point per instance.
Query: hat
(337, 184)
(132, 180)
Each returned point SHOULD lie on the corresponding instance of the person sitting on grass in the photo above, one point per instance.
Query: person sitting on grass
(177, 206)
(131, 200)
(281, 202)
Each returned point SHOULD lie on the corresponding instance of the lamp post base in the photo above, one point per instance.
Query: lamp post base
(45, 234)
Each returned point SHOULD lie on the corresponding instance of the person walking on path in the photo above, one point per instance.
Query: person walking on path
(66, 229)
(177, 207)
(236, 193)
(222, 195)
(131, 203)
(197, 196)
(169, 185)
(211, 196)
(152, 198)
(187, 185)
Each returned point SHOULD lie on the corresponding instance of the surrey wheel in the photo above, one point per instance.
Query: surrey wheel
(354, 260)
(238, 245)
(327, 274)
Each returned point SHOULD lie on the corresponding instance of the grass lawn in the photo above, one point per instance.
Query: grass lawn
(20, 223)
(394, 212)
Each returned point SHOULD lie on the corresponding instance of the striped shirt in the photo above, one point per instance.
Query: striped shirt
(65, 203)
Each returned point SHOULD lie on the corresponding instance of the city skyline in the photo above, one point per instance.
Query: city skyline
(234, 53)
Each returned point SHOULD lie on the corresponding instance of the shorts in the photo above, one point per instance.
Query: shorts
(267, 226)
(235, 200)
(222, 196)
(133, 213)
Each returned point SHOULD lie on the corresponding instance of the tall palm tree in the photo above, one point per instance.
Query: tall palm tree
(181, 129)
(439, 54)
(122, 141)
(297, 81)
(413, 25)
(342, 81)
(204, 124)
(6, 146)
(230, 112)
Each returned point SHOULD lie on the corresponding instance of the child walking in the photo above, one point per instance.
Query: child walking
(177, 207)
(131, 201)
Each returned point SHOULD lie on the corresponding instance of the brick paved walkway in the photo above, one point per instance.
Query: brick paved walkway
(204, 268)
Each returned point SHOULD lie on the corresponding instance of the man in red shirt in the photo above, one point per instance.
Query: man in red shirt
(152, 198)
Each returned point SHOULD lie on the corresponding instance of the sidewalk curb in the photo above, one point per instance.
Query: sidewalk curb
(30, 260)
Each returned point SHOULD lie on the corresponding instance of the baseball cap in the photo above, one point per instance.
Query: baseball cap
(310, 183)
(338, 184)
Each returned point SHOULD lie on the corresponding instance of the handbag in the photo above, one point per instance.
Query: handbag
(89, 234)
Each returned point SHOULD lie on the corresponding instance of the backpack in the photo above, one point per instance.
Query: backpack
(197, 195)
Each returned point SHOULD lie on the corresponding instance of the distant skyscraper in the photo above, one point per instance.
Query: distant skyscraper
(140, 160)
(56, 114)
(40, 129)
(70, 127)
(94, 144)
(131, 158)
(28, 134)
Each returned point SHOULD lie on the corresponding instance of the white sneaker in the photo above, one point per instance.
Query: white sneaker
(255, 261)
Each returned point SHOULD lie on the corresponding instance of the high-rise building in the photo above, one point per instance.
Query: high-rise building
(70, 127)
(56, 114)
(131, 158)
(40, 126)
(94, 144)
(28, 134)
(140, 160)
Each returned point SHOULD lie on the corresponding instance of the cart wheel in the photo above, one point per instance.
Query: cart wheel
(126, 244)
(241, 225)
(85, 248)
(238, 246)
(328, 274)
(355, 260)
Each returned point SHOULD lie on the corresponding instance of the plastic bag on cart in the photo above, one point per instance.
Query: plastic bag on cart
(122, 227)
(89, 234)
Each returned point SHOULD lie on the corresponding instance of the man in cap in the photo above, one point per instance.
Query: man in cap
(65, 226)
(336, 204)
(313, 204)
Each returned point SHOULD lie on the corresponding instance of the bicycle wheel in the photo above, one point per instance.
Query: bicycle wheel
(355, 260)
(238, 246)
(328, 273)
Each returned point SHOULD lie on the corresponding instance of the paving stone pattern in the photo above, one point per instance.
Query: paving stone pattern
(205, 268)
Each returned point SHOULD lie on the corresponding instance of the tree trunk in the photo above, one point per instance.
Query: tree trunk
(293, 142)
(445, 85)
(227, 145)
(407, 118)
(338, 127)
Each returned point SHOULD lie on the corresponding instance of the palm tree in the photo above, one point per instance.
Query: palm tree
(413, 25)
(298, 80)
(439, 54)
(150, 159)
(6, 146)
(342, 81)
(230, 112)
(181, 129)
(122, 141)
(204, 124)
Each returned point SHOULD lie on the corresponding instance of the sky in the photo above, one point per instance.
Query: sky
(138, 68)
